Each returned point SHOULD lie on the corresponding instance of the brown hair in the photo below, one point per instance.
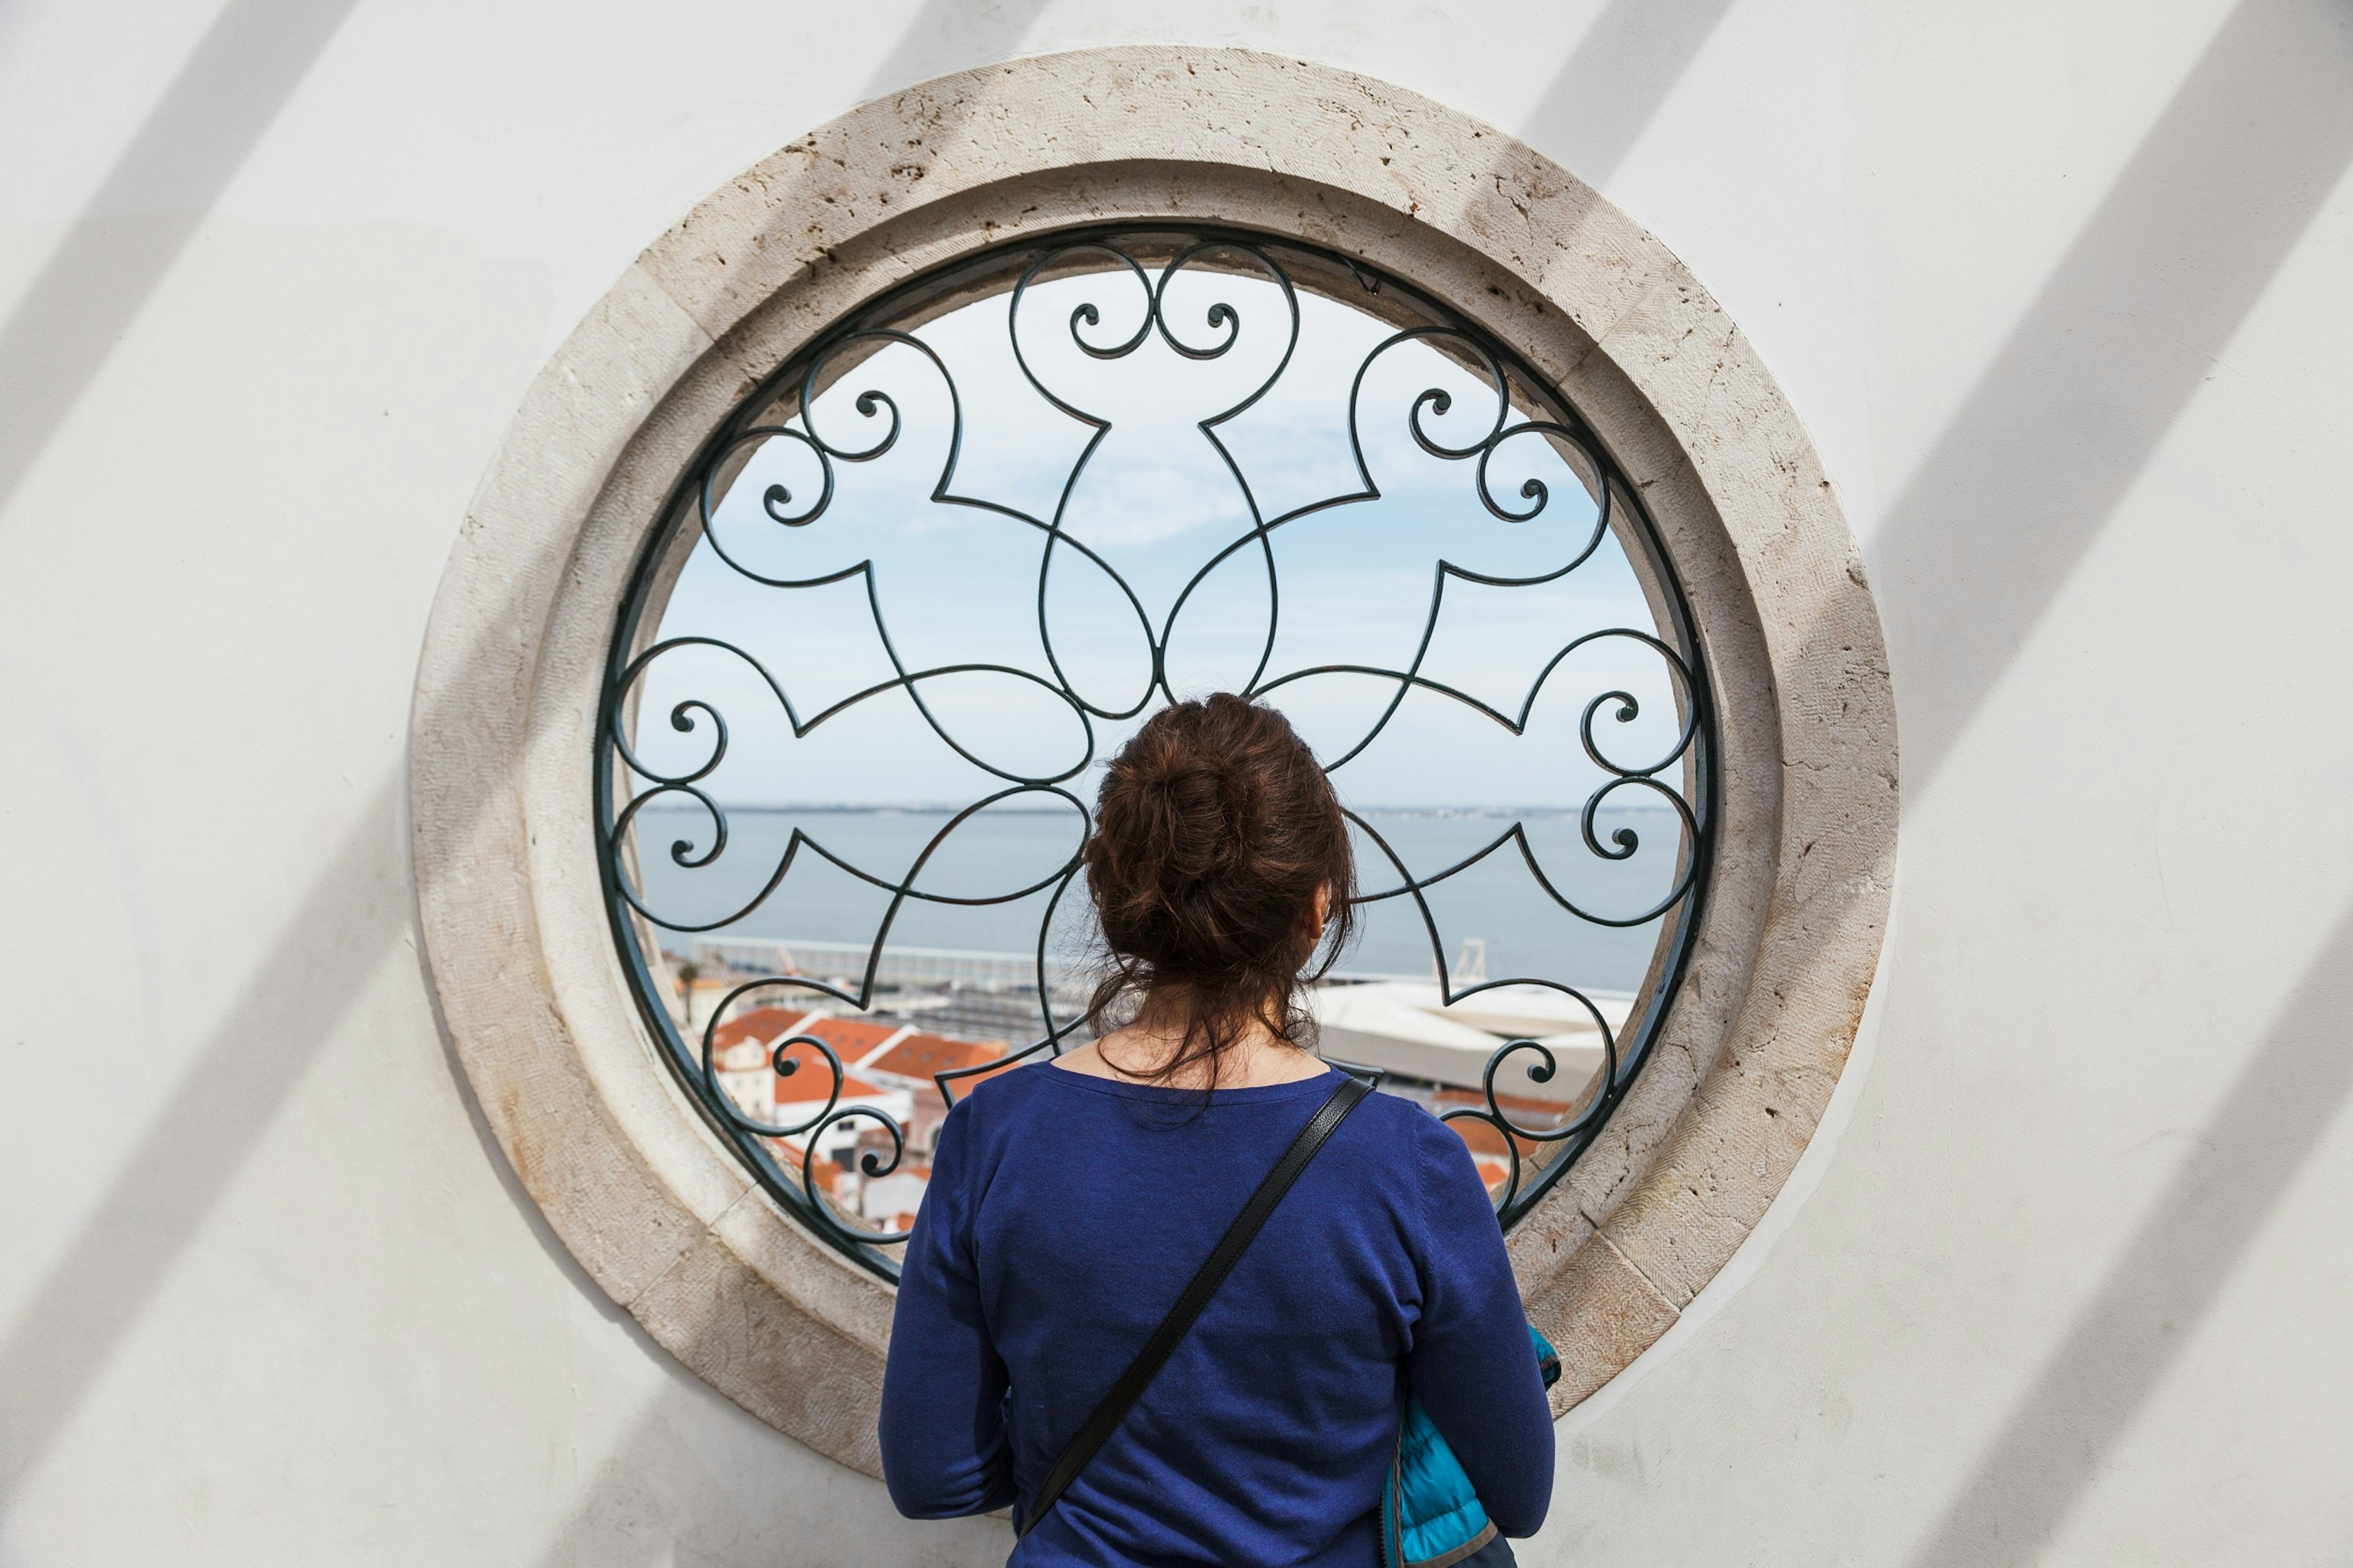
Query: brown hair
(1214, 830)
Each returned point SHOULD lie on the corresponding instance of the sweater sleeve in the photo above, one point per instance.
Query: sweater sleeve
(944, 1450)
(1471, 1364)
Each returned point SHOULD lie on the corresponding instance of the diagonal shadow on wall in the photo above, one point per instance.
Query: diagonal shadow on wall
(2068, 413)
(216, 1114)
(947, 35)
(52, 346)
(359, 906)
(1614, 82)
(2077, 399)
(145, 211)
(2147, 1311)
(668, 1493)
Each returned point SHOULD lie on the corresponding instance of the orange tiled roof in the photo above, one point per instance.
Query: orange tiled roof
(914, 1056)
(1484, 1137)
(760, 1025)
(813, 1079)
(1537, 1111)
(920, 1055)
(854, 1038)
(851, 1038)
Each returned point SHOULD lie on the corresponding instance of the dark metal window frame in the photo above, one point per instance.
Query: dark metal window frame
(1179, 241)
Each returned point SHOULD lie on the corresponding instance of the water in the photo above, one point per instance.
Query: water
(997, 852)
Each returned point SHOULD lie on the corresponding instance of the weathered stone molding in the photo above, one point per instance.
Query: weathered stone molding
(653, 1206)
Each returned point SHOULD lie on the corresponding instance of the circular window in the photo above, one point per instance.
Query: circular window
(885, 496)
(929, 573)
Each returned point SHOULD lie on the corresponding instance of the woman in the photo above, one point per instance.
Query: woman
(1070, 1203)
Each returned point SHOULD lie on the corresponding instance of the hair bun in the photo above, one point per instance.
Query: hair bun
(1214, 831)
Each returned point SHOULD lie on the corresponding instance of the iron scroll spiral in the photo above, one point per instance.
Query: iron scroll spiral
(795, 420)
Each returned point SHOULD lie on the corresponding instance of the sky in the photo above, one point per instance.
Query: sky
(958, 584)
(1155, 502)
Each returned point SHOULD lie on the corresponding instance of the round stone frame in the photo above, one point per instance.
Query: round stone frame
(531, 989)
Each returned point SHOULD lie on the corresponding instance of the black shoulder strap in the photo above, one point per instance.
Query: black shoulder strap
(1205, 1282)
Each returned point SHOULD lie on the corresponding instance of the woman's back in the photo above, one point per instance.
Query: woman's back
(1065, 1214)
(1070, 1203)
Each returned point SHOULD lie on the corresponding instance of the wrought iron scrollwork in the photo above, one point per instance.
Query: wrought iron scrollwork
(787, 429)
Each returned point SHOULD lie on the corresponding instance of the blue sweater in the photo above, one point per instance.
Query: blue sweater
(1064, 1215)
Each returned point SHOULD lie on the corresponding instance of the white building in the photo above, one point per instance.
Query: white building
(1408, 1027)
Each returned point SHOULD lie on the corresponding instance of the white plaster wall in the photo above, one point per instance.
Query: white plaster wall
(2060, 292)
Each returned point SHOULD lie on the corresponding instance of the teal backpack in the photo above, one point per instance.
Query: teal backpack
(1431, 1516)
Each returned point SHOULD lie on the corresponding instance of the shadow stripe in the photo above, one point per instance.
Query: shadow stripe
(2074, 404)
(145, 211)
(2147, 1311)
